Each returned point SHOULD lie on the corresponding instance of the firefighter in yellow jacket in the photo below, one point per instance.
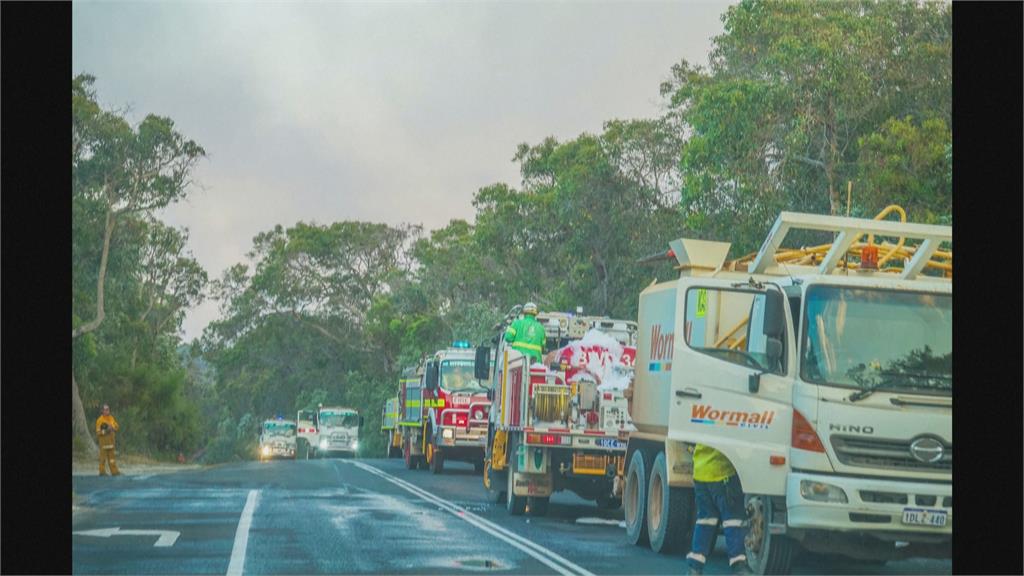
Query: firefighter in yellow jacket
(106, 427)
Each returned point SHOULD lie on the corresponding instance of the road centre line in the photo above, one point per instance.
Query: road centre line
(538, 552)
(242, 535)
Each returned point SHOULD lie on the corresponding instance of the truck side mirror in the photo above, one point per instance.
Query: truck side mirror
(431, 376)
(482, 365)
(774, 315)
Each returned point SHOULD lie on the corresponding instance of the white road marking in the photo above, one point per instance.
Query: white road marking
(166, 538)
(540, 553)
(242, 535)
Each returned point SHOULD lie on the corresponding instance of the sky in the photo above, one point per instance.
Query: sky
(394, 112)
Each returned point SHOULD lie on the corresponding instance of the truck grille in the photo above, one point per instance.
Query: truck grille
(886, 453)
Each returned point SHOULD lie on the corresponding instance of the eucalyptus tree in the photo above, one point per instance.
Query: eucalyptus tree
(119, 172)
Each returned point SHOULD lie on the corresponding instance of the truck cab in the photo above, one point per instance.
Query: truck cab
(338, 431)
(456, 407)
(829, 390)
(277, 439)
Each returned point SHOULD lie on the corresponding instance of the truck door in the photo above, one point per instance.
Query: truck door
(730, 383)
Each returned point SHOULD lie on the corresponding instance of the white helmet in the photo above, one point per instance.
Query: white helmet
(530, 308)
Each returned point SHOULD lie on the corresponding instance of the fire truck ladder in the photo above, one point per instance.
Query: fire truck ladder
(907, 261)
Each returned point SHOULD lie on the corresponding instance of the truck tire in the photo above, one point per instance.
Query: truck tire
(538, 505)
(410, 460)
(670, 511)
(516, 505)
(492, 482)
(634, 498)
(437, 462)
(767, 553)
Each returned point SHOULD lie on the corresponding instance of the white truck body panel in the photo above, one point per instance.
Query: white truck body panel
(687, 395)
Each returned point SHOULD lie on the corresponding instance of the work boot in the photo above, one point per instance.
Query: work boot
(741, 567)
(694, 570)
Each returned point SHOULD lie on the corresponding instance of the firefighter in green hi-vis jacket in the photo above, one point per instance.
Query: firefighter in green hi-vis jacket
(527, 334)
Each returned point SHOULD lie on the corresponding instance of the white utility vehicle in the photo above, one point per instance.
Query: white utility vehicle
(825, 376)
(277, 439)
(338, 431)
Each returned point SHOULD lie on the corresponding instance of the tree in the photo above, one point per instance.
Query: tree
(777, 119)
(119, 172)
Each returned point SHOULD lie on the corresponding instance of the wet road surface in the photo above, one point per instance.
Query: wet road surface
(336, 516)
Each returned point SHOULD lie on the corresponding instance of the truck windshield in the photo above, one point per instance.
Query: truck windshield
(333, 419)
(279, 428)
(878, 339)
(457, 376)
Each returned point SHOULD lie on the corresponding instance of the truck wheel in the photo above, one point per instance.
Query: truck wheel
(516, 505)
(634, 498)
(538, 505)
(493, 482)
(608, 502)
(436, 461)
(669, 511)
(410, 460)
(767, 553)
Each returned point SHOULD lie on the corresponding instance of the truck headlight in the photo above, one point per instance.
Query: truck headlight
(355, 444)
(478, 414)
(323, 444)
(821, 492)
(265, 450)
(448, 433)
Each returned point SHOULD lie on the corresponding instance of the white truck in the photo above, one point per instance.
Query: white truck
(277, 439)
(824, 376)
(560, 425)
(338, 431)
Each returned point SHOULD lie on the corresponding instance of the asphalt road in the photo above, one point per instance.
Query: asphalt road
(361, 516)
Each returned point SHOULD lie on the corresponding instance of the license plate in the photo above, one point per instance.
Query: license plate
(924, 517)
(610, 443)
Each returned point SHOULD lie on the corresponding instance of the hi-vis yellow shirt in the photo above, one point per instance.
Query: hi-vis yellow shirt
(710, 465)
(110, 421)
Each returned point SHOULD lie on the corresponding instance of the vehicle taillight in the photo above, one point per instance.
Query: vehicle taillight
(537, 438)
(804, 437)
(607, 395)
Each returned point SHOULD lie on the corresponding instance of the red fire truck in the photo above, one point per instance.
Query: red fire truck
(455, 407)
(563, 424)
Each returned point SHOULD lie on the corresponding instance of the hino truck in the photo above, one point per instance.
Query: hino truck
(823, 374)
(456, 407)
(561, 424)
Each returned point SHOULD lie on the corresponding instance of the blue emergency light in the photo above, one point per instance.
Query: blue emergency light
(461, 344)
